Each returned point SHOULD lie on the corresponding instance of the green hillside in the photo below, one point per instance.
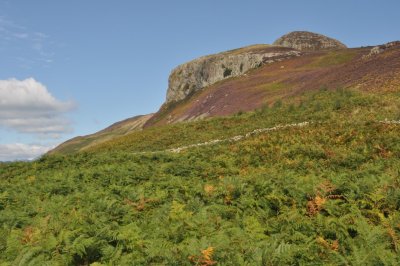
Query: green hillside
(326, 193)
(115, 130)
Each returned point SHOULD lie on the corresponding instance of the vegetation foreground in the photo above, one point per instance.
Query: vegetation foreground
(324, 194)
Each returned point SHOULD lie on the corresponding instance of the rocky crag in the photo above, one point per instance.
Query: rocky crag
(308, 41)
(204, 71)
(381, 48)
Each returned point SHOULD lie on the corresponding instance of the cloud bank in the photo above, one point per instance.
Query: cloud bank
(27, 107)
(19, 151)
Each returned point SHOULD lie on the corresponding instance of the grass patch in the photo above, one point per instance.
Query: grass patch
(275, 86)
(334, 58)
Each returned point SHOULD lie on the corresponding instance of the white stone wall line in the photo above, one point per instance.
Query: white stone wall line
(390, 121)
(231, 139)
(247, 135)
(239, 137)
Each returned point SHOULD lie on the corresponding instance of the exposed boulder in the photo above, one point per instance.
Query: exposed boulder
(308, 41)
(381, 48)
(204, 71)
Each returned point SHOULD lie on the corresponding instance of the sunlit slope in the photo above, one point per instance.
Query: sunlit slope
(323, 194)
(345, 68)
(355, 68)
(118, 129)
(323, 106)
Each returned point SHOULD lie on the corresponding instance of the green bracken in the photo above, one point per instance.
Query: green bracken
(324, 194)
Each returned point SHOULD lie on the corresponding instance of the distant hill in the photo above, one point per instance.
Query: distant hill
(115, 130)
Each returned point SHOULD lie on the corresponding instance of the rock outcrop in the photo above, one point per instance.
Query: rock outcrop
(308, 41)
(204, 71)
(381, 48)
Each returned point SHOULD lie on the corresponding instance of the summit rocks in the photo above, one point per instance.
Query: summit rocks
(308, 41)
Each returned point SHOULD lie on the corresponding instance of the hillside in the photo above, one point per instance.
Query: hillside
(324, 193)
(262, 75)
(308, 41)
(294, 162)
(115, 130)
(345, 68)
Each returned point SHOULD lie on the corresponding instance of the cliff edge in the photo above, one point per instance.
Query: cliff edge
(207, 70)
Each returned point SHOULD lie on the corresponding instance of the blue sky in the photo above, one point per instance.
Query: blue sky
(79, 66)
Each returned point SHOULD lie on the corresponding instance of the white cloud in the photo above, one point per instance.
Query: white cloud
(19, 151)
(27, 107)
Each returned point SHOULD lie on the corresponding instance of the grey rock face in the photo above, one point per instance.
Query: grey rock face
(308, 41)
(204, 71)
(381, 48)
